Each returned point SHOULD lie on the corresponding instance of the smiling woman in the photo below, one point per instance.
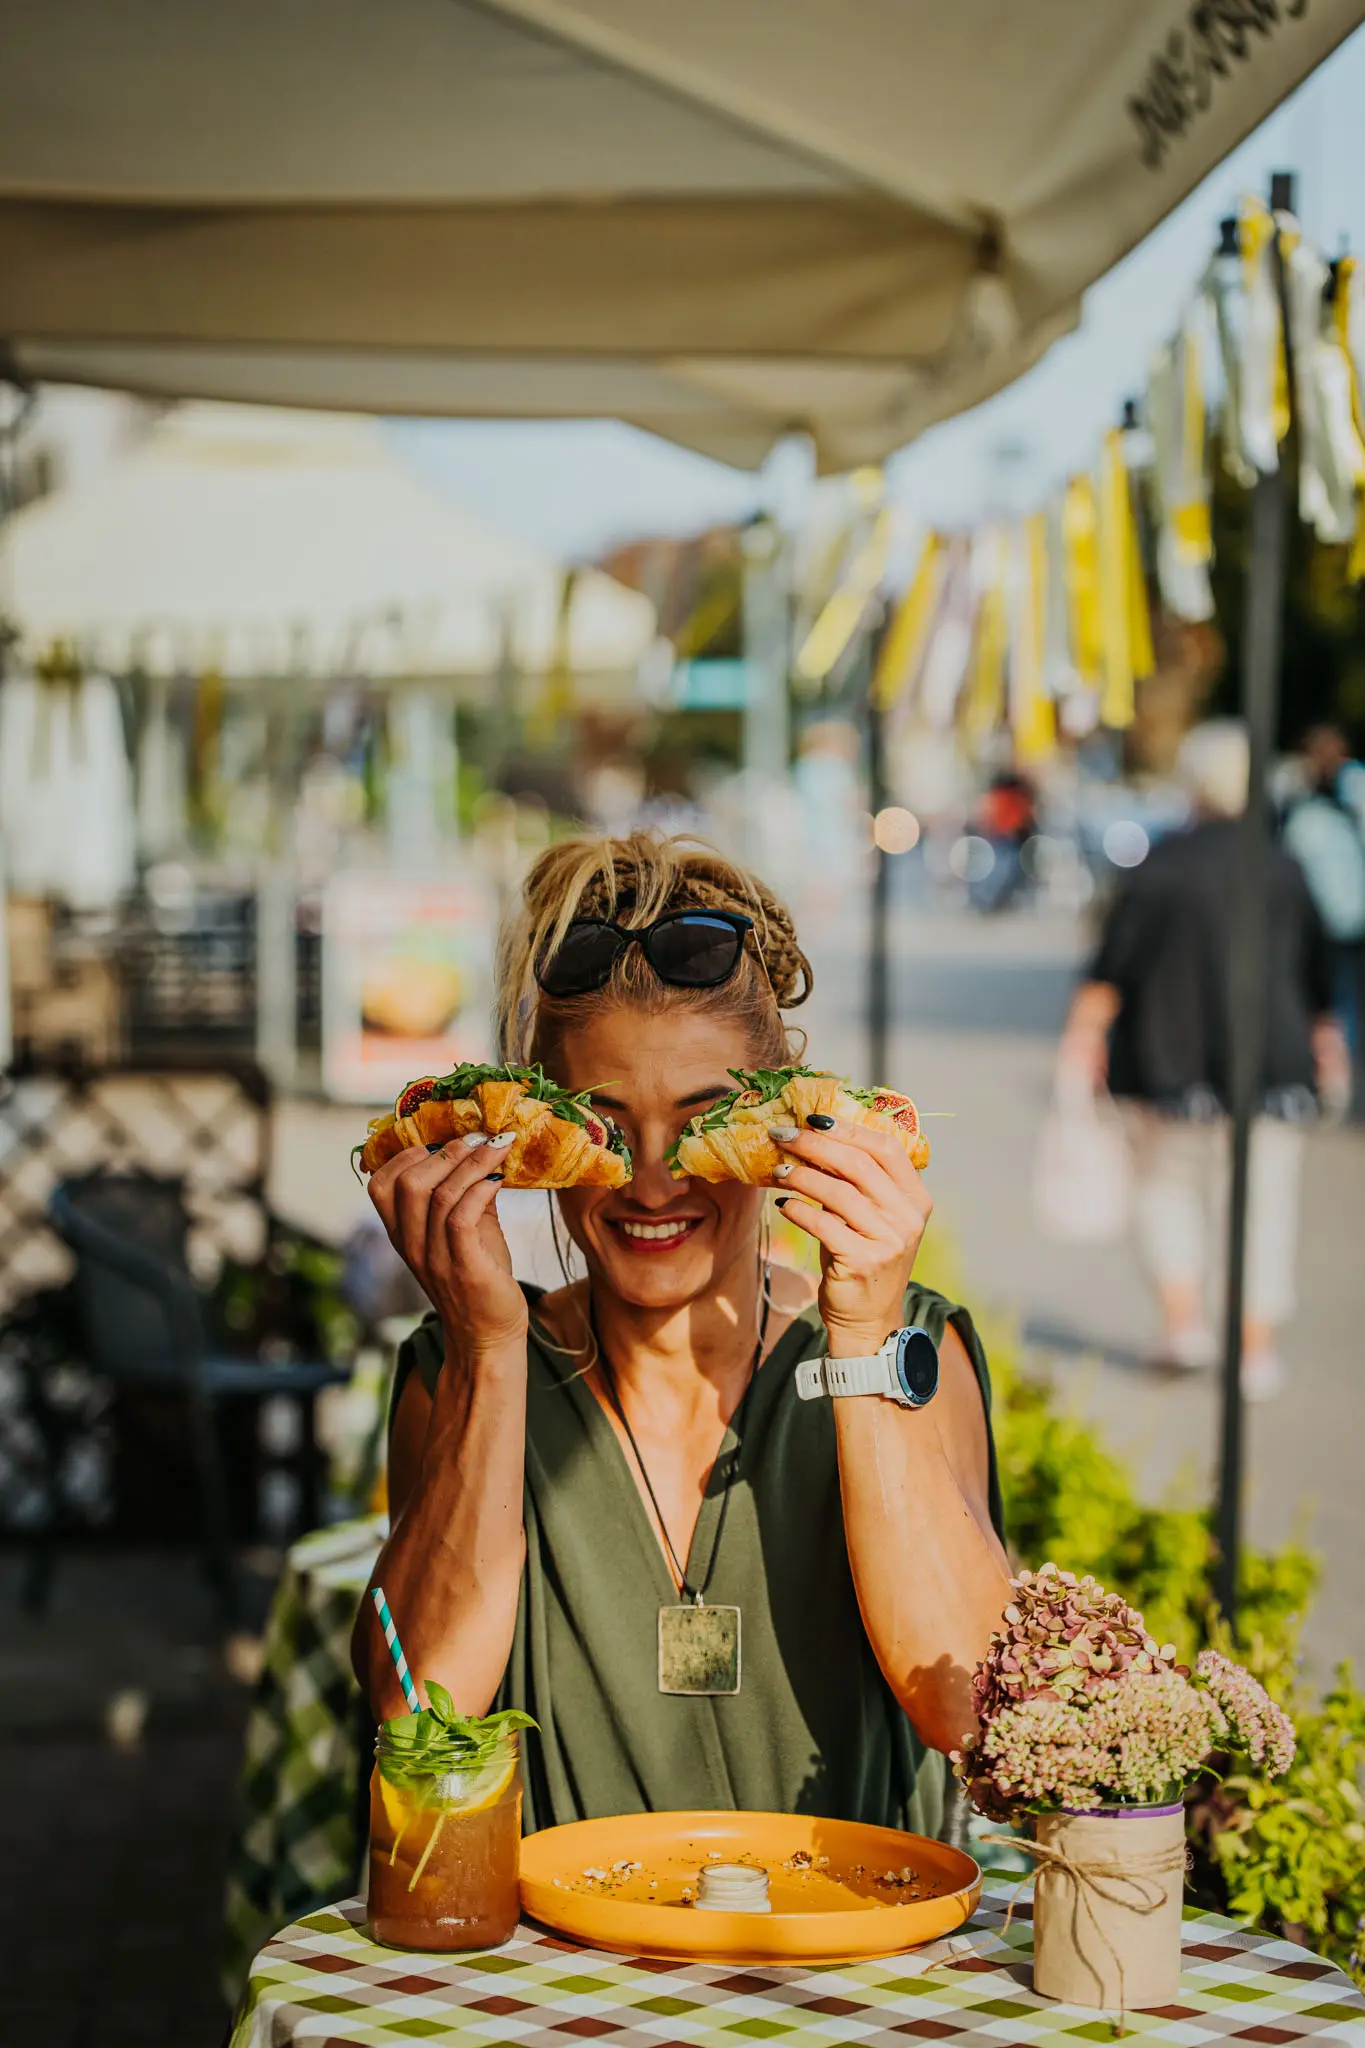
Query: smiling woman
(614, 1506)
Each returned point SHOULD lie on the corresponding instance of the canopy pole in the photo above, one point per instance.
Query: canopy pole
(1263, 606)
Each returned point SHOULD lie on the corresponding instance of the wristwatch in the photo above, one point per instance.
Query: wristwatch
(905, 1370)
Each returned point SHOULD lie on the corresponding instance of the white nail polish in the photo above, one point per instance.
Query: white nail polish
(781, 1172)
(472, 1138)
(782, 1134)
(504, 1138)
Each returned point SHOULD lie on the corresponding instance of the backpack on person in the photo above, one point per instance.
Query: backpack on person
(1325, 839)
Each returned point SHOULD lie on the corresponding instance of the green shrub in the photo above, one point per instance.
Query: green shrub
(1287, 1855)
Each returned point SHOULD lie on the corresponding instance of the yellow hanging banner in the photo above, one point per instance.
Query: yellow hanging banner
(1115, 523)
(1190, 518)
(1080, 540)
(1034, 715)
(830, 637)
(1141, 657)
(902, 651)
(1341, 330)
(1256, 229)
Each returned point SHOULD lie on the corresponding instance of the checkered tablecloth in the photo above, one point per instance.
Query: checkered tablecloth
(324, 1981)
(295, 1841)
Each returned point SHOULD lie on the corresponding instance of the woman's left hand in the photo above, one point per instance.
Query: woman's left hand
(852, 1187)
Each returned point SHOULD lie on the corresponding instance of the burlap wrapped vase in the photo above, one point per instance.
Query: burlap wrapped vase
(1106, 1906)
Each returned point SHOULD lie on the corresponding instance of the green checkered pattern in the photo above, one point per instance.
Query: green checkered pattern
(294, 1845)
(325, 1981)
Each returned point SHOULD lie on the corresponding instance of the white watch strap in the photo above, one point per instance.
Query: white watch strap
(860, 1375)
(810, 1379)
(817, 1376)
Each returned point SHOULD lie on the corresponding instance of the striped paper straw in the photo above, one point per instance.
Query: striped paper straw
(400, 1662)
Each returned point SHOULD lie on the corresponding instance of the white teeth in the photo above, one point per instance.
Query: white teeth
(655, 1230)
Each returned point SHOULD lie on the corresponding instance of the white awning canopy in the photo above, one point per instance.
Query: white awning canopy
(718, 219)
(263, 543)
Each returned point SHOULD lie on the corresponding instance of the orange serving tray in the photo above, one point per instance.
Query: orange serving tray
(850, 1903)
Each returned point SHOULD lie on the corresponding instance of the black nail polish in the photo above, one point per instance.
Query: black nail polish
(821, 1123)
(435, 1148)
(781, 1201)
(492, 1176)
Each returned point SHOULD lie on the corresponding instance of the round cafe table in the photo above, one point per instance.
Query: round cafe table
(323, 1980)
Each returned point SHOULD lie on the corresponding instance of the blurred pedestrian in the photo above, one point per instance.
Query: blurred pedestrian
(1152, 1018)
(1323, 829)
(1007, 818)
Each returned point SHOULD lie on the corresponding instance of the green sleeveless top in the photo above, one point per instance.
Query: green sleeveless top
(814, 1728)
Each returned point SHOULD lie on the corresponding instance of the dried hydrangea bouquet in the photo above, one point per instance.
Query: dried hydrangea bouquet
(1091, 1728)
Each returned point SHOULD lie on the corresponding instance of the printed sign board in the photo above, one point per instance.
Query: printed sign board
(406, 981)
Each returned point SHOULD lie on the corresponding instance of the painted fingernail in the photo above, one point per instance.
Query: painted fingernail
(821, 1123)
(472, 1138)
(781, 1202)
(782, 1134)
(781, 1172)
(493, 1176)
(504, 1138)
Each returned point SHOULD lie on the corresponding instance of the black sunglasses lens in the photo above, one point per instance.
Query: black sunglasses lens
(583, 962)
(694, 950)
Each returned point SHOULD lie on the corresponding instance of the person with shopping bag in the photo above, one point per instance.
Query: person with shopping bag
(1150, 1022)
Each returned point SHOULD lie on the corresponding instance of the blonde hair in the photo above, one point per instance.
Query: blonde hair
(1214, 764)
(633, 881)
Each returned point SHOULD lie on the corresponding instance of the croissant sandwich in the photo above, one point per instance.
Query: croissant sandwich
(560, 1141)
(732, 1140)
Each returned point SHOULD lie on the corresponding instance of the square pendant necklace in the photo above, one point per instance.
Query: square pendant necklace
(699, 1646)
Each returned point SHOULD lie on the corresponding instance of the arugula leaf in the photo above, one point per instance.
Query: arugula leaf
(453, 1087)
(765, 1082)
(616, 1142)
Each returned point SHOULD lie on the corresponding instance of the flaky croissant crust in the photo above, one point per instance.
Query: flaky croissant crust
(547, 1151)
(742, 1148)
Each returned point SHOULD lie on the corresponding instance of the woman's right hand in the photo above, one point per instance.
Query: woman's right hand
(439, 1211)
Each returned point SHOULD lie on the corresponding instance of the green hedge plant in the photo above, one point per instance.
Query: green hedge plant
(1286, 1855)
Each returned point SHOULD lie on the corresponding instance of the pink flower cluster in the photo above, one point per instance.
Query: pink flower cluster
(1062, 1636)
(1135, 1741)
(1079, 1707)
(1256, 1727)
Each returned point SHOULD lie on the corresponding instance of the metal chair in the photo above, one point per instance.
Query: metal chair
(141, 1320)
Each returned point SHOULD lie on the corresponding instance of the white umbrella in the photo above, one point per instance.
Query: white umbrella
(257, 542)
(719, 218)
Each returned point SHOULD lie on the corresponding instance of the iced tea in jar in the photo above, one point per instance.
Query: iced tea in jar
(445, 1828)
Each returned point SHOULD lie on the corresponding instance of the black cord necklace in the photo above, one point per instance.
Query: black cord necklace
(699, 1646)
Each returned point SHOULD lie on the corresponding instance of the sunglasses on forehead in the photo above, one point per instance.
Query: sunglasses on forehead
(686, 948)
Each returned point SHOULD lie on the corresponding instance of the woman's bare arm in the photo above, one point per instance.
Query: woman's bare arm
(930, 1573)
(451, 1569)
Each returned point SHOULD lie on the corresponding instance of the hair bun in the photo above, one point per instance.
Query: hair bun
(635, 880)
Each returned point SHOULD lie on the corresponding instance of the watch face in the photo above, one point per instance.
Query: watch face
(917, 1366)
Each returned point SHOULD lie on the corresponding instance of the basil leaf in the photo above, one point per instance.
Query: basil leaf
(413, 1749)
(442, 1705)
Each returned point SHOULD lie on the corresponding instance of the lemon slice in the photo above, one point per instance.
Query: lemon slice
(466, 1792)
(397, 1806)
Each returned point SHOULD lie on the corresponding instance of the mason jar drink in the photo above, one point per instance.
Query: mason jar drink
(445, 1830)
